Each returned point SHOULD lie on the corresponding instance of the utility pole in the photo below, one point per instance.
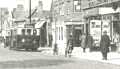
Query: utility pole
(1, 22)
(55, 30)
(30, 11)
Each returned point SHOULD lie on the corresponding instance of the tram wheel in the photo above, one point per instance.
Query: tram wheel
(26, 49)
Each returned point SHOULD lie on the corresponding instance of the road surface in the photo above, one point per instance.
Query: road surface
(10, 59)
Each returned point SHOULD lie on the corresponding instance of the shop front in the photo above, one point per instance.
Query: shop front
(76, 29)
(106, 19)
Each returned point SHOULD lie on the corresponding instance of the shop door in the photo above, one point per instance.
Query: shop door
(76, 37)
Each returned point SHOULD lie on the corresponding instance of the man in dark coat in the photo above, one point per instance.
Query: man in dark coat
(104, 45)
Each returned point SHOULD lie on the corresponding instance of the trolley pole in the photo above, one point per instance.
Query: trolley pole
(101, 26)
(30, 11)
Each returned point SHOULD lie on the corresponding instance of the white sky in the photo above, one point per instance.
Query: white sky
(12, 3)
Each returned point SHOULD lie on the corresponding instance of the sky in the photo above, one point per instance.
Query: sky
(12, 3)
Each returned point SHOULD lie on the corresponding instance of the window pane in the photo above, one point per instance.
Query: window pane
(23, 31)
(29, 31)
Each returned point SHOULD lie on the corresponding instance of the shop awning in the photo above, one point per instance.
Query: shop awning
(39, 24)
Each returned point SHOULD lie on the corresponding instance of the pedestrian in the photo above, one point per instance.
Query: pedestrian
(69, 47)
(89, 42)
(83, 42)
(104, 45)
(55, 50)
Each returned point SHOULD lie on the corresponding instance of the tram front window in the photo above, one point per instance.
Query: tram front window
(23, 31)
(29, 31)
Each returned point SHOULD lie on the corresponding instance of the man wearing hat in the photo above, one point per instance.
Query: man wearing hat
(104, 45)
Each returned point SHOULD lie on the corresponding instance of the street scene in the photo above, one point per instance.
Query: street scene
(59, 34)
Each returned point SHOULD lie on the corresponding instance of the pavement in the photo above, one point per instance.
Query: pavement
(113, 57)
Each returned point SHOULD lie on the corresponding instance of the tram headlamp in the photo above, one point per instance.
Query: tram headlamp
(23, 40)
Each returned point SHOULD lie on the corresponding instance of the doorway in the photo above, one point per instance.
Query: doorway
(76, 36)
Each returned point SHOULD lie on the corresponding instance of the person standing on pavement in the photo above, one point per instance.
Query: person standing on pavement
(69, 47)
(89, 42)
(55, 50)
(104, 45)
(83, 42)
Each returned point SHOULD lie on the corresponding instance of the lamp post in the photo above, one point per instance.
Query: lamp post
(55, 30)
(1, 22)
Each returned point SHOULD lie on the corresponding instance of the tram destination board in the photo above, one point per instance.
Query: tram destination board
(29, 25)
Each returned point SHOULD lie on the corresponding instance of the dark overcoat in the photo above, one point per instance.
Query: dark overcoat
(105, 43)
(89, 41)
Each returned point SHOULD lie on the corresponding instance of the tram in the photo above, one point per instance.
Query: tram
(24, 38)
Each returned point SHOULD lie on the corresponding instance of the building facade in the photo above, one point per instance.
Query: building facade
(19, 13)
(105, 12)
(67, 20)
(4, 21)
(75, 17)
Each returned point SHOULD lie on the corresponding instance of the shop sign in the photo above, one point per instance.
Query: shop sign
(91, 12)
(107, 17)
(78, 27)
(106, 1)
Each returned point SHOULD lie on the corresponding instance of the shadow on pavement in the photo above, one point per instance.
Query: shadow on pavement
(33, 63)
(22, 50)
